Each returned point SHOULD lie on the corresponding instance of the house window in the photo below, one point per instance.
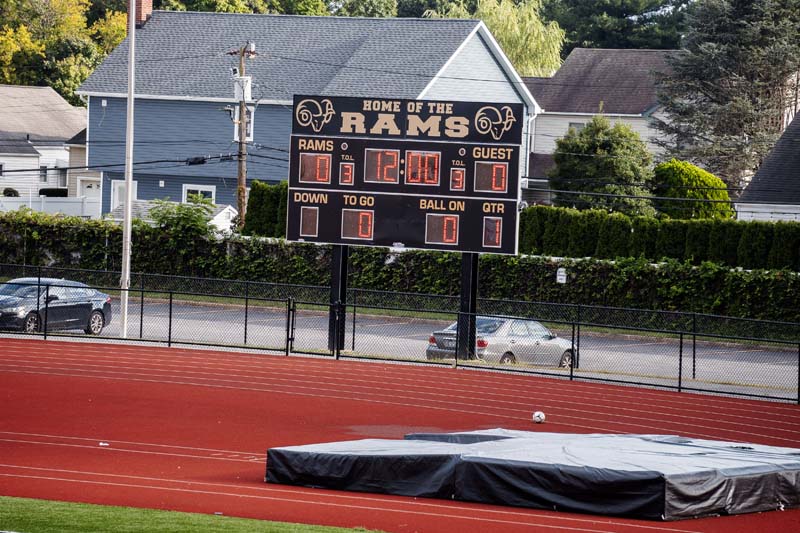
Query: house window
(577, 125)
(43, 173)
(207, 191)
(62, 177)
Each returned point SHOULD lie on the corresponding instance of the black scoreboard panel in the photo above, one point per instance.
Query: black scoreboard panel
(413, 174)
(437, 223)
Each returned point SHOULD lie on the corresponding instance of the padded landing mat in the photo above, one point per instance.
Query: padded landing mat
(659, 477)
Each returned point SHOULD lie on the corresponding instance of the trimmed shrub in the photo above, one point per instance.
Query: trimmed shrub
(683, 180)
(785, 249)
(612, 240)
(266, 210)
(583, 232)
(644, 232)
(755, 244)
(671, 240)
(697, 239)
(10, 193)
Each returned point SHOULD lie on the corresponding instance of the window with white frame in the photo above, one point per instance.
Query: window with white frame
(577, 125)
(43, 173)
(206, 191)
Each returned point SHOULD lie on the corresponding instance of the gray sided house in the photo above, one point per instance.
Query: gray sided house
(184, 83)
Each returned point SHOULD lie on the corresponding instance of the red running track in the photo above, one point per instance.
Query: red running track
(188, 430)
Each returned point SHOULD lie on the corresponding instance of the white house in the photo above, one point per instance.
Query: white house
(620, 84)
(35, 124)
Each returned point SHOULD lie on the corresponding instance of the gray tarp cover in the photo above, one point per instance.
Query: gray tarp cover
(646, 476)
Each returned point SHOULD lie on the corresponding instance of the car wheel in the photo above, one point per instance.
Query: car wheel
(508, 359)
(566, 359)
(96, 323)
(31, 324)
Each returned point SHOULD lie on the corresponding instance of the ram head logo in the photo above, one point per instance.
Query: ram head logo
(315, 114)
(496, 122)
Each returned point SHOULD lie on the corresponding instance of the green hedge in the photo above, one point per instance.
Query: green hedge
(560, 232)
(38, 239)
(266, 210)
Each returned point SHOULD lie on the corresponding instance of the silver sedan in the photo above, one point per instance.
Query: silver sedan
(506, 341)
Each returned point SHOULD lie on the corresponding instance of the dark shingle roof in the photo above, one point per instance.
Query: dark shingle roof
(622, 80)
(16, 145)
(778, 179)
(185, 54)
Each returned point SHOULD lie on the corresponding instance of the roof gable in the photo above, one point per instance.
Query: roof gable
(38, 113)
(778, 179)
(184, 55)
(621, 81)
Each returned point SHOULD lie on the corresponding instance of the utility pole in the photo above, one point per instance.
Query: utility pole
(248, 50)
(125, 277)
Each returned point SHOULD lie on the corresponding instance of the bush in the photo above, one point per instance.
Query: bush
(671, 240)
(680, 179)
(755, 244)
(785, 250)
(266, 210)
(10, 193)
(613, 238)
(53, 193)
(644, 231)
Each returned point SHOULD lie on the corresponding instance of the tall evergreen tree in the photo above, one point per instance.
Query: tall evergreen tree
(730, 88)
(619, 23)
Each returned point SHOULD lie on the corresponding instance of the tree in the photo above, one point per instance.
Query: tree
(368, 8)
(417, 8)
(110, 30)
(728, 91)
(532, 45)
(604, 159)
(18, 52)
(619, 23)
(679, 179)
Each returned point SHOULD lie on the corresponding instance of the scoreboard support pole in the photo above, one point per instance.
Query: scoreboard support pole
(338, 301)
(469, 305)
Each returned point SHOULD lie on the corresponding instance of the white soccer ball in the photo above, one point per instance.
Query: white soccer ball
(538, 417)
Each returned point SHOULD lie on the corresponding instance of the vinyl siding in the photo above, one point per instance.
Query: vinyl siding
(175, 131)
(25, 183)
(551, 127)
(77, 157)
(474, 75)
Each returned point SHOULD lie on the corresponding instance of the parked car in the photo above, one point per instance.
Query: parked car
(26, 303)
(505, 341)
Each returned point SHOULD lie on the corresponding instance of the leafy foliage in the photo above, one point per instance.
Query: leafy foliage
(680, 179)
(604, 159)
(654, 24)
(266, 210)
(368, 8)
(531, 44)
(732, 83)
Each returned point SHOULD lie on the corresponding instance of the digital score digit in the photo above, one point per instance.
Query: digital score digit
(381, 166)
(441, 229)
(457, 179)
(491, 177)
(422, 168)
(315, 168)
(358, 224)
(346, 171)
(492, 232)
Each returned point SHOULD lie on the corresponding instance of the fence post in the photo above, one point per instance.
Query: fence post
(680, 364)
(577, 355)
(39, 297)
(46, 309)
(798, 374)
(694, 345)
(246, 307)
(141, 305)
(288, 344)
(574, 357)
(337, 322)
(169, 330)
(355, 302)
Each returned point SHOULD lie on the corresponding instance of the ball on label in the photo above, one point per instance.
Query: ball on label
(538, 417)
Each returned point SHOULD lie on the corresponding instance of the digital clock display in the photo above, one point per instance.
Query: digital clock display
(357, 224)
(346, 173)
(381, 166)
(441, 229)
(315, 168)
(491, 177)
(457, 179)
(422, 168)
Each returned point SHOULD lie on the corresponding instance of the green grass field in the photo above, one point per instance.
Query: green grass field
(25, 515)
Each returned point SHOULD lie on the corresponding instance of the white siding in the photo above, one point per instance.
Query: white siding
(768, 212)
(52, 157)
(77, 158)
(25, 183)
(550, 127)
(474, 75)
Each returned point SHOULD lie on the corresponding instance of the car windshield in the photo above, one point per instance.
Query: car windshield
(18, 290)
(483, 325)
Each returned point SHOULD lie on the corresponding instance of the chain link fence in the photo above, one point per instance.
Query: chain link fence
(663, 349)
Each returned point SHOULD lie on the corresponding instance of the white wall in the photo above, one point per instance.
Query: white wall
(23, 182)
(550, 127)
(768, 212)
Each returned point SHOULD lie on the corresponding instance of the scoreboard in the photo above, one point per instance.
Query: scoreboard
(405, 173)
